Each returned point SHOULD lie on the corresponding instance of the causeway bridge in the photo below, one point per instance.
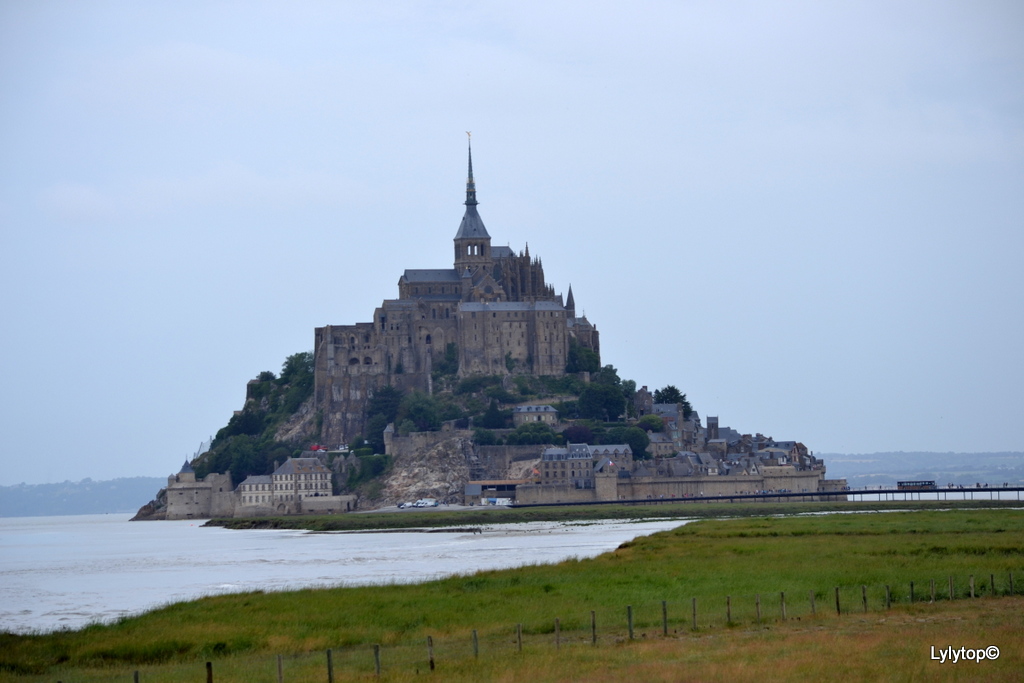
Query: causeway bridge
(979, 493)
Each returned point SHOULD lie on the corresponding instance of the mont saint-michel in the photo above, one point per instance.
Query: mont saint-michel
(479, 383)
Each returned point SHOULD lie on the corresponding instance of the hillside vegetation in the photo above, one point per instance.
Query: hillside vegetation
(278, 419)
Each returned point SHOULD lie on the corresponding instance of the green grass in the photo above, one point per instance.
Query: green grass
(707, 560)
(439, 518)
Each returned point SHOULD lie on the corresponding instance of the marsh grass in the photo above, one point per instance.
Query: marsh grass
(581, 514)
(706, 560)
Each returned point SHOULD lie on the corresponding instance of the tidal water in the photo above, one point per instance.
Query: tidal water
(66, 572)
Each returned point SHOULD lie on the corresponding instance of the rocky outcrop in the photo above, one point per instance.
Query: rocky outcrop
(302, 424)
(155, 509)
(439, 471)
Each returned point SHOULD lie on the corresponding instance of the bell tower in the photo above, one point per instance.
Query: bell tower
(472, 243)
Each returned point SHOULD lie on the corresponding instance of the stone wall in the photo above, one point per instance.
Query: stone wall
(647, 488)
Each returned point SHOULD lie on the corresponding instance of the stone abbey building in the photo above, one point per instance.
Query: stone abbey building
(493, 307)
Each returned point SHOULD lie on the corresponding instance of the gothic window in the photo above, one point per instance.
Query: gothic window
(446, 312)
(352, 340)
(427, 340)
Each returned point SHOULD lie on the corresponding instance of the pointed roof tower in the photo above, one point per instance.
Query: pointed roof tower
(472, 243)
(570, 304)
(472, 226)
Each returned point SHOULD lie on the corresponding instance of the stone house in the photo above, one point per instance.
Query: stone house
(524, 414)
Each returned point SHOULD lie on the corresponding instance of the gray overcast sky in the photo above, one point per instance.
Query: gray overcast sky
(806, 215)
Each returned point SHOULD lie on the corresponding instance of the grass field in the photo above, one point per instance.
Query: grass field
(442, 517)
(732, 565)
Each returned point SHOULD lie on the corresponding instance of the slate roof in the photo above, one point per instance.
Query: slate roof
(534, 409)
(301, 466)
(438, 275)
(257, 479)
(512, 306)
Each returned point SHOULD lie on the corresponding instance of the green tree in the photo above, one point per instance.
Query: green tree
(421, 410)
(375, 432)
(670, 394)
(608, 375)
(581, 359)
(493, 418)
(634, 436)
(484, 437)
(601, 402)
(449, 363)
(534, 433)
(651, 423)
(384, 401)
(297, 367)
(578, 434)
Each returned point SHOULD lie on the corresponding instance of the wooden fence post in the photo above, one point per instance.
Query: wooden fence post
(593, 627)
(972, 585)
(209, 672)
(280, 670)
(933, 590)
(476, 646)
(888, 597)
(728, 610)
(1011, 583)
(950, 587)
(558, 635)
(430, 651)
(376, 659)
(664, 618)
(330, 668)
(629, 620)
(838, 611)
(992, 585)
(814, 612)
(695, 614)
(911, 592)
(757, 606)
(782, 599)
(135, 677)
(519, 637)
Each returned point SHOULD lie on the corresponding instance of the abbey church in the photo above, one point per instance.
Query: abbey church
(493, 308)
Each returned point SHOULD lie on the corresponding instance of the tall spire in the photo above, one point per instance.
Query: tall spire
(470, 185)
(472, 226)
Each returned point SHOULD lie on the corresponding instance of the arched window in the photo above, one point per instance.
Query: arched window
(427, 340)
(353, 361)
(367, 361)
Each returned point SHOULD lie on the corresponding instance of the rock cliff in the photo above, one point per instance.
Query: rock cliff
(440, 472)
